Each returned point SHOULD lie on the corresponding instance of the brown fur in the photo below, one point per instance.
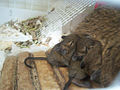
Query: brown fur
(110, 67)
(63, 51)
(93, 58)
(85, 46)
(104, 25)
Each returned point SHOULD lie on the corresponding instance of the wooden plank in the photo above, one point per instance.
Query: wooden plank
(15, 75)
(45, 73)
(24, 80)
(64, 72)
(60, 78)
(8, 73)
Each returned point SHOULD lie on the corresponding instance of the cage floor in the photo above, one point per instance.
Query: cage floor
(15, 75)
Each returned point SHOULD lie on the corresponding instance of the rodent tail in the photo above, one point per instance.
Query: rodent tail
(33, 58)
(68, 84)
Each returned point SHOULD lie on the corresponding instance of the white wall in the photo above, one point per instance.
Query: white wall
(8, 14)
(22, 9)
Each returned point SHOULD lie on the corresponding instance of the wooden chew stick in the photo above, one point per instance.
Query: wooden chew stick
(45, 73)
(59, 76)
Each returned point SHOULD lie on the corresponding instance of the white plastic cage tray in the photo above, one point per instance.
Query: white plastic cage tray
(42, 5)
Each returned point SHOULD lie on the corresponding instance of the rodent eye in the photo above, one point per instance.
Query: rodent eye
(74, 58)
(82, 64)
(79, 58)
(63, 37)
(64, 52)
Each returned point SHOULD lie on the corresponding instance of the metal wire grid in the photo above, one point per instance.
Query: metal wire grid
(72, 9)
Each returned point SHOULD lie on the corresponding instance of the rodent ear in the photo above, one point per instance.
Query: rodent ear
(70, 43)
(87, 36)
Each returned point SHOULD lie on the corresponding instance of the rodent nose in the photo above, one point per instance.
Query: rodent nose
(80, 58)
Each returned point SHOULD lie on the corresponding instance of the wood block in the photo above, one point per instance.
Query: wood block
(7, 80)
(57, 77)
(45, 73)
(15, 75)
